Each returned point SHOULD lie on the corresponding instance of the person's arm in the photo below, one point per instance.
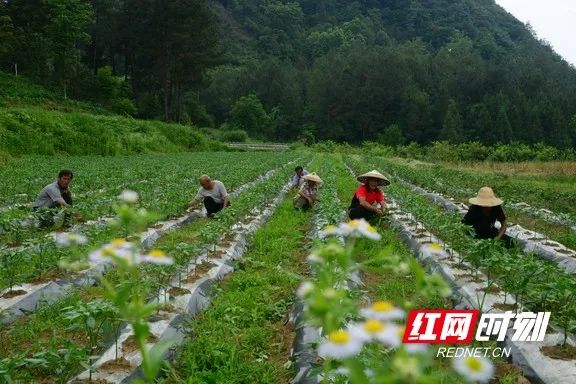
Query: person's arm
(56, 196)
(369, 206)
(382, 201)
(502, 219)
(361, 194)
(194, 202)
(224, 192)
(294, 183)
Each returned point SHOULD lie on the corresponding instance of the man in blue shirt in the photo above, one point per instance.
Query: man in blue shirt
(299, 172)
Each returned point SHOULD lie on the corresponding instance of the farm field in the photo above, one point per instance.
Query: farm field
(233, 293)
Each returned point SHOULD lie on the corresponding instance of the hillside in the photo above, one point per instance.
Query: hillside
(395, 71)
(35, 120)
(391, 71)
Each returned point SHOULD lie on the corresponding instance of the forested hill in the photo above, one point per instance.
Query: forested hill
(393, 71)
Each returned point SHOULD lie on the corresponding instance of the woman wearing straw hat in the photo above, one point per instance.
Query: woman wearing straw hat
(368, 200)
(484, 211)
(308, 192)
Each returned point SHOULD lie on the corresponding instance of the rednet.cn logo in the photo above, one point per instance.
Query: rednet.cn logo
(463, 326)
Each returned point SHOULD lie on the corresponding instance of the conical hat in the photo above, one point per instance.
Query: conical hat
(313, 177)
(486, 198)
(382, 180)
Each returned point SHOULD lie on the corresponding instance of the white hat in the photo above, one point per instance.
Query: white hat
(374, 174)
(313, 177)
(486, 198)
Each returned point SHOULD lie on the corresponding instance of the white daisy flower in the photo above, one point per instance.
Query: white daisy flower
(382, 310)
(372, 330)
(475, 369)
(304, 289)
(433, 249)
(330, 230)
(340, 345)
(67, 239)
(157, 256)
(359, 228)
(117, 249)
(128, 196)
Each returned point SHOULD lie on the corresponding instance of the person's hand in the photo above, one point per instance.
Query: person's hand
(379, 212)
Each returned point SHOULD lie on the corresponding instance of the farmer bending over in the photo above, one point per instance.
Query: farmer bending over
(214, 195)
(368, 200)
(308, 193)
(56, 195)
(485, 209)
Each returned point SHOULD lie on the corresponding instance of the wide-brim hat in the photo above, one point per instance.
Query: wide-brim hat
(486, 198)
(313, 177)
(374, 174)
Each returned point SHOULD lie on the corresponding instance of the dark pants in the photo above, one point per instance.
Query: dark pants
(213, 207)
(361, 213)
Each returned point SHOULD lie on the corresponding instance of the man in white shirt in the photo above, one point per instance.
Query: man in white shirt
(214, 195)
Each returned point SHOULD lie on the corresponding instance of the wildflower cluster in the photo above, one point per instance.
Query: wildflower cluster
(363, 344)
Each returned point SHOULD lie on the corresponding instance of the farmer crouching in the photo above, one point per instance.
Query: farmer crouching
(368, 200)
(308, 192)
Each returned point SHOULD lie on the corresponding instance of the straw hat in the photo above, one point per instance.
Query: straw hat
(313, 177)
(486, 198)
(382, 180)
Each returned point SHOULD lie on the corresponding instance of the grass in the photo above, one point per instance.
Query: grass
(44, 132)
(243, 337)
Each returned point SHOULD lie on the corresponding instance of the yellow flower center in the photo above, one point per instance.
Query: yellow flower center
(108, 251)
(330, 228)
(373, 326)
(157, 253)
(354, 224)
(473, 364)
(371, 229)
(118, 242)
(339, 337)
(382, 306)
(435, 247)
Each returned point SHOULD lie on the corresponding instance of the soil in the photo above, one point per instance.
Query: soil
(563, 251)
(203, 268)
(560, 352)
(129, 345)
(217, 254)
(192, 278)
(13, 244)
(99, 381)
(48, 276)
(120, 365)
(283, 337)
(504, 307)
(176, 291)
(506, 370)
(476, 280)
(490, 289)
(464, 275)
(12, 293)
